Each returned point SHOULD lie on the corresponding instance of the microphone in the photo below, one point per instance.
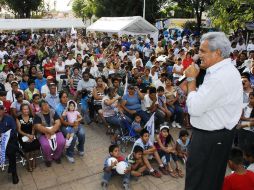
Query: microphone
(183, 78)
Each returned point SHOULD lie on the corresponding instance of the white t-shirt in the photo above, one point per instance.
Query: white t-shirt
(59, 68)
(246, 112)
(17, 105)
(11, 95)
(70, 62)
(89, 85)
(178, 68)
(158, 83)
(251, 167)
(154, 77)
(241, 47)
(3, 53)
(45, 89)
(250, 47)
(146, 103)
(147, 51)
(140, 143)
(122, 54)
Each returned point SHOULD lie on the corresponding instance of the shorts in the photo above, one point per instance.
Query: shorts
(70, 129)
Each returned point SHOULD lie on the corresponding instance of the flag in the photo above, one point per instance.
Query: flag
(126, 85)
(3, 144)
(150, 127)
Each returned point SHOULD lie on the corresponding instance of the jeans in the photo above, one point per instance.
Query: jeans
(78, 135)
(107, 176)
(177, 112)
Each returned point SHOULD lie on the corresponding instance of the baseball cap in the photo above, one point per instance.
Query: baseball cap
(49, 77)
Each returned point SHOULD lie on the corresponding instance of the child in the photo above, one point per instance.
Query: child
(249, 156)
(114, 151)
(149, 150)
(35, 104)
(182, 145)
(241, 179)
(136, 123)
(135, 161)
(162, 105)
(74, 117)
(166, 147)
(246, 132)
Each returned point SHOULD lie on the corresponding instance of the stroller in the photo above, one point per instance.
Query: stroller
(126, 134)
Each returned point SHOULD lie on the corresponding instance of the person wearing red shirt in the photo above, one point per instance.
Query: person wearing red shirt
(187, 61)
(241, 179)
(48, 69)
(6, 103)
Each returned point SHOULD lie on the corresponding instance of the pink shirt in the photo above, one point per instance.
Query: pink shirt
(72, 116)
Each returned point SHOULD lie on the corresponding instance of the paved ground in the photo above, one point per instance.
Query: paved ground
(86, 173)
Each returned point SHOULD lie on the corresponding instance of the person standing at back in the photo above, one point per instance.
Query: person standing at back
(215, 109)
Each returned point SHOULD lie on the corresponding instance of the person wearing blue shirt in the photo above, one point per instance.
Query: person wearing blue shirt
(23, 85)
(7, 123)
(40, 81)
(79, 133)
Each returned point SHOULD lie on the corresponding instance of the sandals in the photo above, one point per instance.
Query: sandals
(179, 172)
(173, 173)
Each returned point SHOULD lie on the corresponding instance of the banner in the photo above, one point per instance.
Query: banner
(150, 127)
(3, 144)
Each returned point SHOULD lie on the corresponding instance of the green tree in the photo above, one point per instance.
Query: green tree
(23, 8)
(231, 14)
(116, 8)
(198, 6)
(83, 8)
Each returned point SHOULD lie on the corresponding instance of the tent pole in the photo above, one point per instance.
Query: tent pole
(144, 10)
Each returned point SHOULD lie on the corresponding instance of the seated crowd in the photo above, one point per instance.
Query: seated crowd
(51, 84)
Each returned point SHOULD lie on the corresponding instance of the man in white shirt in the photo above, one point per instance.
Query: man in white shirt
(241, 46)
(161, 81)
(70, 61)
(60, 71)
(250, 46)
(2, 52)
(215, 109)
(122, 53)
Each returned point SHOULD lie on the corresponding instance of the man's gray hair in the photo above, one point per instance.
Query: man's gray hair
(218, 40)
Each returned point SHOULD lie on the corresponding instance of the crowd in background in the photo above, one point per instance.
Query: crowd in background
(53, 82)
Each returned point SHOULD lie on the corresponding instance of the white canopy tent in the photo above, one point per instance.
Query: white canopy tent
(124, 25)
(35, 24)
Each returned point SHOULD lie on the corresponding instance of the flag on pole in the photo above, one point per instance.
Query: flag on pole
(4, 139)
(150, 127)
(126, 84)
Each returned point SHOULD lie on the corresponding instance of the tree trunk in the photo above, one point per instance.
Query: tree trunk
(199, 21)
(28, 13)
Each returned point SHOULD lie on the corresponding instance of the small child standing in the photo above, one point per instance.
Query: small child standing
(249, 156)
(241, 179)
(73, 117)
(109, 170)
(135, 161)
(136, 124)
(182, 145)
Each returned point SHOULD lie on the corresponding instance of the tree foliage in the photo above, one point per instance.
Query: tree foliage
(198, 6)
(231, 14)
(128, 8)
(22, 8)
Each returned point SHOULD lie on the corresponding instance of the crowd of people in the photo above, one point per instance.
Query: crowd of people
(51, 83)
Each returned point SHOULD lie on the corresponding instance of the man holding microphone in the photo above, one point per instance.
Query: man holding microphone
(215, 109)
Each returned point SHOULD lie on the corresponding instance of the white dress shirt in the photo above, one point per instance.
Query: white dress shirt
(218, 102)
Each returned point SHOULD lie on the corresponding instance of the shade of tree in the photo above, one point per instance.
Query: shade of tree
(199, 6)
(231, 14)
(22, 8)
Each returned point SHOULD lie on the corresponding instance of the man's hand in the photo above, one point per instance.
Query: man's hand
(192, 71)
